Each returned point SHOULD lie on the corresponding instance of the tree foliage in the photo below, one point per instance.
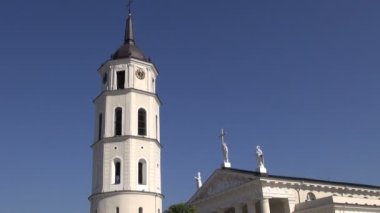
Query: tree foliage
(181, 208)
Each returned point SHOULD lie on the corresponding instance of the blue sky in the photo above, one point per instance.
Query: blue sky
(300, 78)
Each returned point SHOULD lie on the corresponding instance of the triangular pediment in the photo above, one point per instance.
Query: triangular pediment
(220, 181)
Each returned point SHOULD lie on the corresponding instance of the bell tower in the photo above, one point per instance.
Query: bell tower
(126, 160)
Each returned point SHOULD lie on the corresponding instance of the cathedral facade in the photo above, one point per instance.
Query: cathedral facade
(230, 190)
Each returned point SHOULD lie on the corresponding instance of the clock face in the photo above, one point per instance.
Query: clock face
(140, 74)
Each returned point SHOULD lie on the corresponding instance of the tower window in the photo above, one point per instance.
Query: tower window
(142, 172)
(116, 171)
(142, 122)
(105, 78)
(118, 121)
(100, 126)
(153, 86)
(140, 210)
(117, 209)
(120, 76)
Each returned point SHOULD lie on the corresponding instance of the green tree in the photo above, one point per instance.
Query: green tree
(181, 208)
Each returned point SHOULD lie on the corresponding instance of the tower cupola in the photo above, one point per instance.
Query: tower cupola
(129, 48)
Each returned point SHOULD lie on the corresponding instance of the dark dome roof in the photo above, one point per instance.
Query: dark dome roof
(129, 48)
(129, 51)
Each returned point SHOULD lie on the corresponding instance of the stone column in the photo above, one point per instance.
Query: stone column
(238, 208)
(265, 205)
(292, 205)
(251, 207)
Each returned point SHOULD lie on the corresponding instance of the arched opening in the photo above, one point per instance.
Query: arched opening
(117, 210)
(153, 85)
(141, 122)
(118, 121)
(120, 79)
(116, 171)
(142, 172)
(140, 210)
(310, 196)
(104, 78)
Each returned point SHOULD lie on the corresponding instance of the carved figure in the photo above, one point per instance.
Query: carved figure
(224, 147)
(259, 156)
(198, 180)
(225, 152)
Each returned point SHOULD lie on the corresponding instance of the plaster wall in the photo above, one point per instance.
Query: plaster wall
(130, 66)
(127, 202)
(129, 147)
(130, 152)
(130, 103)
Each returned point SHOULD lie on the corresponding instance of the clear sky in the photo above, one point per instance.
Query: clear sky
(301, 78)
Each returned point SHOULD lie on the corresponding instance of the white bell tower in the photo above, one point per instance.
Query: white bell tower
(126, 149)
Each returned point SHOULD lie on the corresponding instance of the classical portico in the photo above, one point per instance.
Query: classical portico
(231, 190)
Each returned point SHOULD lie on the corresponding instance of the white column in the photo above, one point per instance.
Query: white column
(291, 206)
(251, 207)
(265, 205)
(238, 208)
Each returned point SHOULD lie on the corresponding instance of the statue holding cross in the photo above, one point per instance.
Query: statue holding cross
(260, 160)
(226, 161)
(198, 180)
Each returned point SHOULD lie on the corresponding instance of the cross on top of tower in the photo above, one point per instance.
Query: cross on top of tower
(129, 6)
(129, 48)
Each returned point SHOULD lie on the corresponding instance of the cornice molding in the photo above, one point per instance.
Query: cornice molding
(124, 138)
(113, 193)
(126, 91)
(314, 186)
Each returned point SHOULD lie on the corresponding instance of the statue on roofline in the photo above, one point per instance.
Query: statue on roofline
(224, 147)
(198, 180)
(260, 157)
